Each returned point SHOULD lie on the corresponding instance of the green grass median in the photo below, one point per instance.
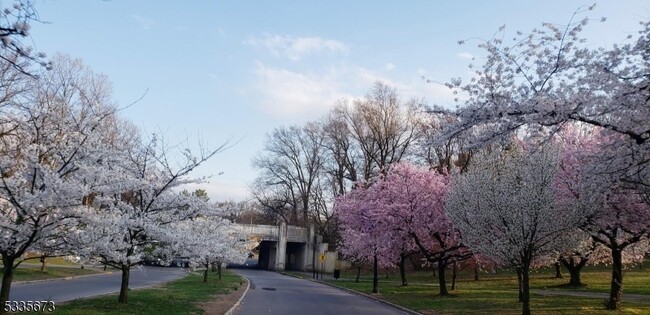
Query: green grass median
(32, 272)
(177, 297)
(497, 293)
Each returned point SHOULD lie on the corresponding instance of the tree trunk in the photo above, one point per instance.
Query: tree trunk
(214, 267)
(375, 280)
(415, 263)
(475, 273)
(402, 270)
(219, 270)
(124, 287)
(525, 294)
(614, 301)
(558, 270)
(43, 260)
(358, 274)
(441, 279)
(205, 273)
(7, 277)
(520, 284)
(454, 273)
(575, 281)
(574, 270)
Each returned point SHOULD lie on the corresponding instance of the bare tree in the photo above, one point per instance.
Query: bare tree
(290, 166)
(383, 128)
(452, 153)
(343, 156)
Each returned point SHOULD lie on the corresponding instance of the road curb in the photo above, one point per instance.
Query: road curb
(241, 298)
(402, 308)
(109, 293)
(291, 275)
(116, 291)
(64, 278)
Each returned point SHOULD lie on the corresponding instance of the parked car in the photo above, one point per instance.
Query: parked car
(153, 262)
(183, 262)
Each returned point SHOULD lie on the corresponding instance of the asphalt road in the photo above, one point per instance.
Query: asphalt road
(86, 286)
(273, 293)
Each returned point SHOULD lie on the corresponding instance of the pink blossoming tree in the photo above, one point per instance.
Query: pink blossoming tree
(616, 214)
(412, 200)
(402, 211)
(364, 237)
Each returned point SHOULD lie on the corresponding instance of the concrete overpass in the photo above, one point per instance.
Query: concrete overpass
(283, 247)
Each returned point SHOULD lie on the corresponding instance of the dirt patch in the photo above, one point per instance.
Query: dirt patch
(221, 303)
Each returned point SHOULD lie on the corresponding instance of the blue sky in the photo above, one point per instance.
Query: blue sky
(219, 70)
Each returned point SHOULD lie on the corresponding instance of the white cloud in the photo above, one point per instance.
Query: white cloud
(408, 87)
(295, 48)
(145, 22)
(289, 94)
(389, 66)
(465, 55)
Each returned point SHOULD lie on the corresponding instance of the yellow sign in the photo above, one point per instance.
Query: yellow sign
(322, 257)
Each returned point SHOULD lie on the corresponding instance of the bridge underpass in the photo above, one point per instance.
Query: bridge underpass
(282, 247)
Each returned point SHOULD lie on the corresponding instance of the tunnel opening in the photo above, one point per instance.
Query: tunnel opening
(295, 256)
(267, 254)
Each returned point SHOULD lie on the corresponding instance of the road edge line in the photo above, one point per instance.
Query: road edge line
(407, 310)
(241, 298)
(402, 308)
(63, 278)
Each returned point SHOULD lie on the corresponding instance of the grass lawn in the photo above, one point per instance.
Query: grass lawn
(32, 272)
(636, 280)
(58, 261)
(497, 293)
(176, 297)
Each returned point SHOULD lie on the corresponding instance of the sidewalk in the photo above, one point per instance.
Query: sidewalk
(633, 297)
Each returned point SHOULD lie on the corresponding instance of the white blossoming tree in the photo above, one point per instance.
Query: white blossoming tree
(135, 204)
(548, 78)
(205, 241)
(50, 139)
(542, 81)
(15, 23)
(504, 206)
